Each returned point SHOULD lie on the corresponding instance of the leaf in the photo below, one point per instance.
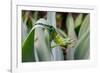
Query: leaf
(71, 34)
(43, 44)
(78, 20)
(40, 49)
(29, 24)
(82, 47)
(57, 54)
(34, 17)
(51, 18)
(28, 44)
(84, 25)
(23, 31)
(83, 44)
(70, 27)
(28, 48)
(24, 26)
(25, 15)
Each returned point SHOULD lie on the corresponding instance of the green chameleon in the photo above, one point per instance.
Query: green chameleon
(54, 35)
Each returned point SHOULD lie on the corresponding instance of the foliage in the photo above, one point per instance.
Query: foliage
(37, 46)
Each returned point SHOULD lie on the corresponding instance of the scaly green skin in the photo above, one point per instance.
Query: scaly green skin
(58, 39)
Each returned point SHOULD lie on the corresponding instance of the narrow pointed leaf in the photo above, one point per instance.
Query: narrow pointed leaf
(82, 47)
(42, 48)
(78, 20)
(71, 33)
(70, 26)
(84, 25)
(28, 48)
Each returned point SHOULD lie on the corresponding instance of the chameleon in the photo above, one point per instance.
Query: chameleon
(54, 35)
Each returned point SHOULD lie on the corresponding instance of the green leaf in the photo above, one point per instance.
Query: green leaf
(37, 49)
(70, 26)
(28, 48)
(71, 34)
(42, 45)
(29, 24)
(78, 20)
(84, 25)
(83, 44)
(82, 47)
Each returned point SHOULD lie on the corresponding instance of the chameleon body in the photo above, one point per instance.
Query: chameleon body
(58, 39)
